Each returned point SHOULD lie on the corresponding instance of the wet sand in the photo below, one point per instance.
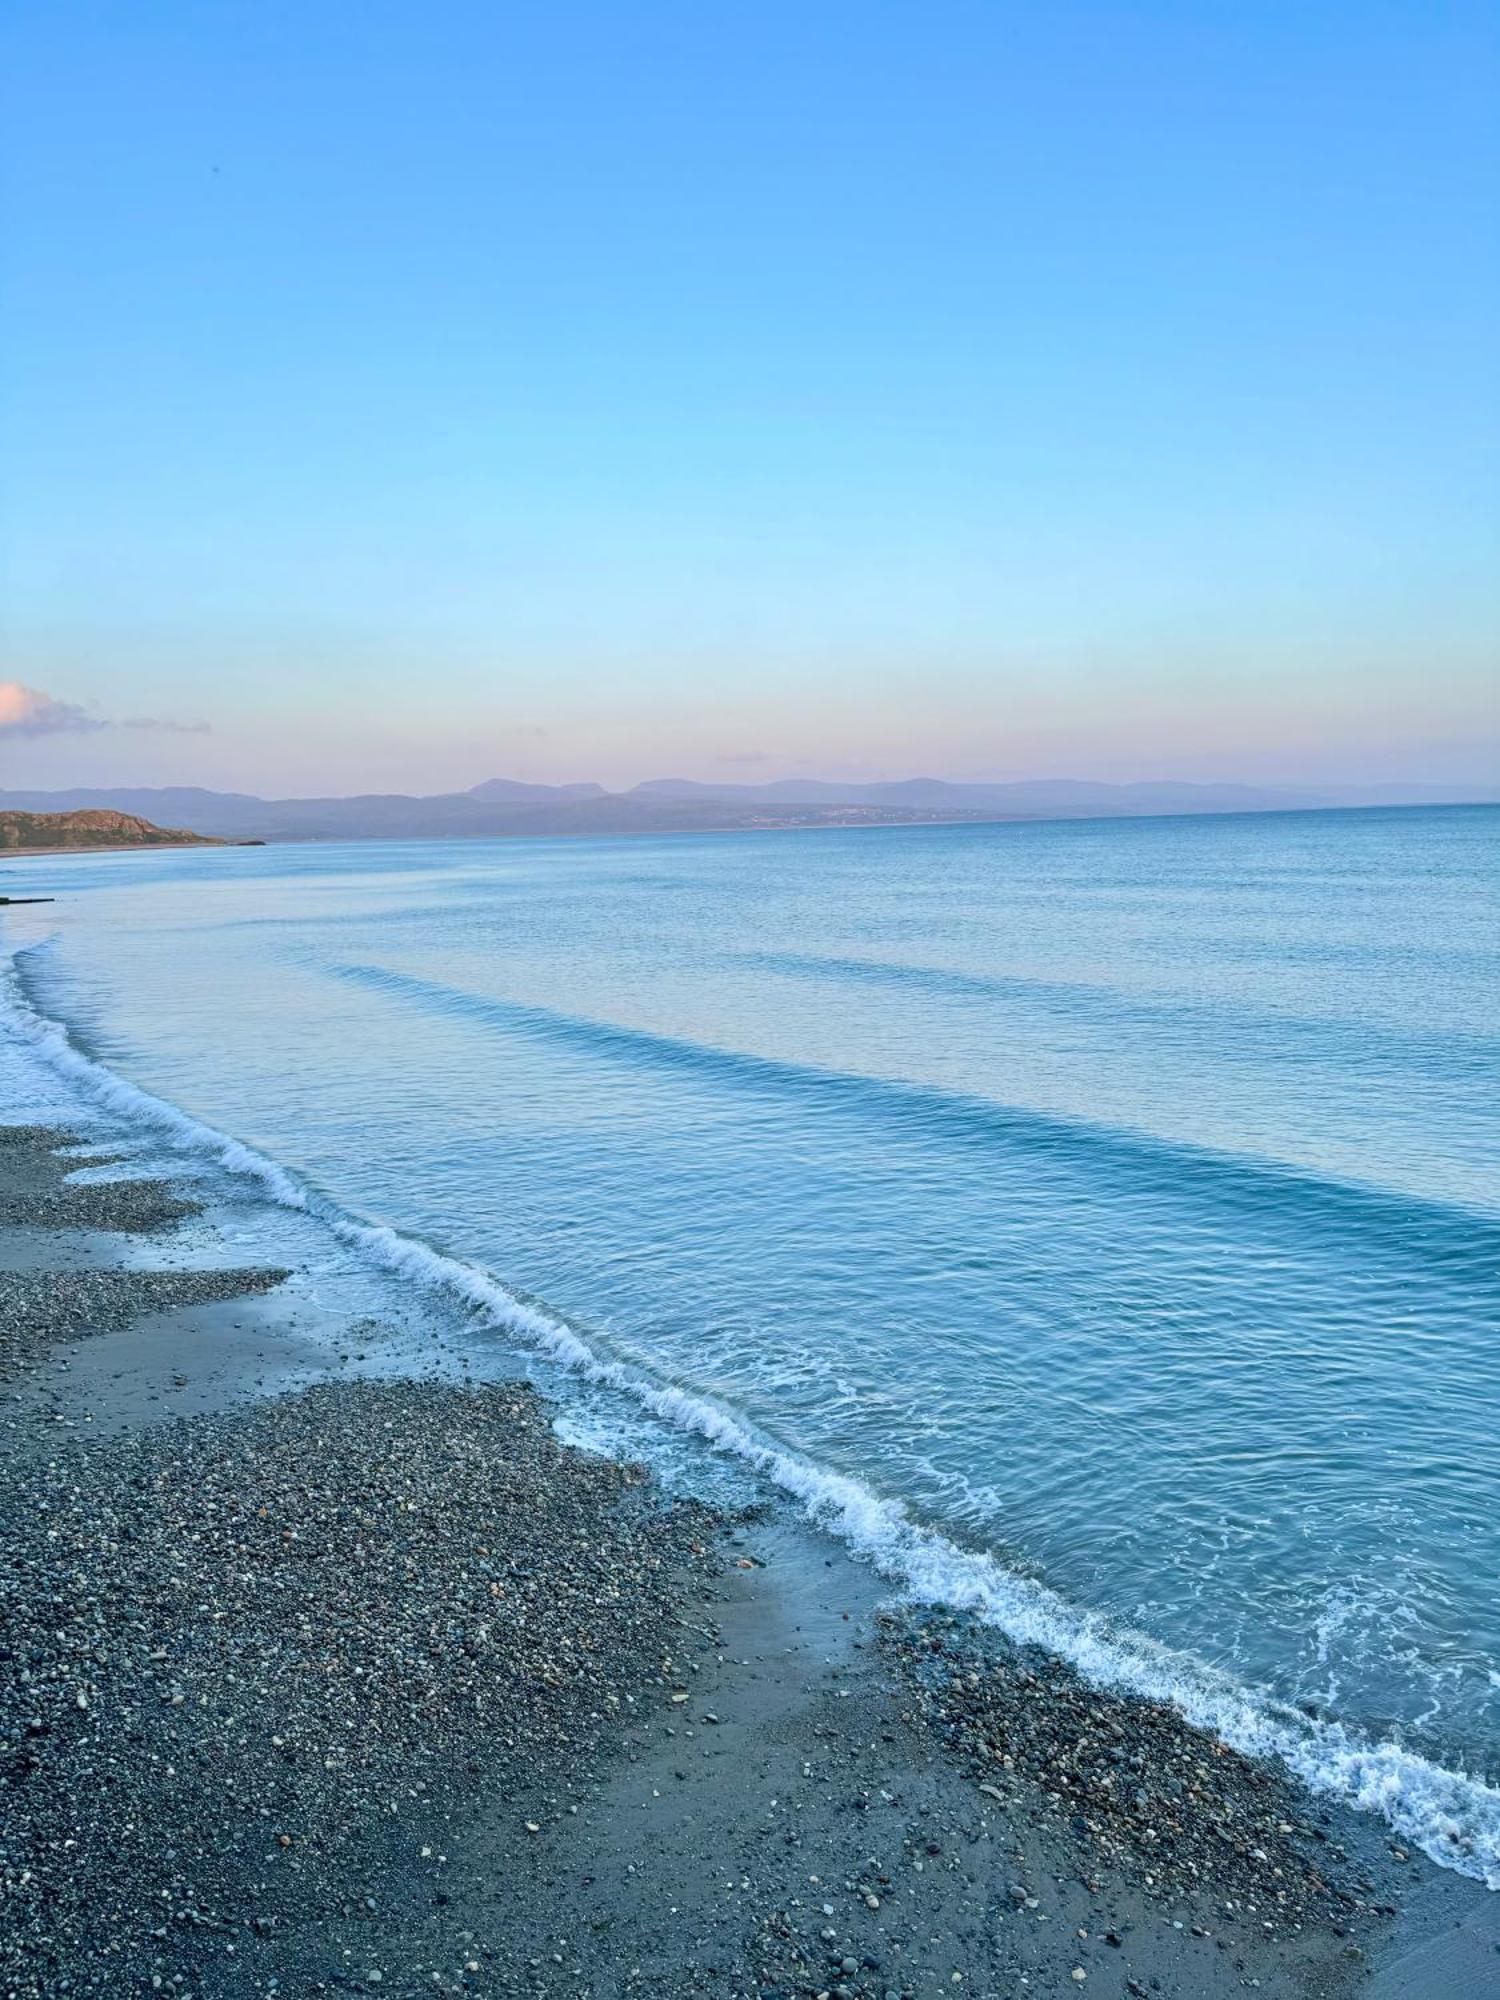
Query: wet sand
(313, 1682)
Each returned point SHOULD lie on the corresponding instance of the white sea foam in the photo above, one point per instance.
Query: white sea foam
(1451, 1816)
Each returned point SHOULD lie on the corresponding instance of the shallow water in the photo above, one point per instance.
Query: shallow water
(1098, 1221)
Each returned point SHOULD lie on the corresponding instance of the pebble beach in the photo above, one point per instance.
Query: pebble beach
(376, 1685)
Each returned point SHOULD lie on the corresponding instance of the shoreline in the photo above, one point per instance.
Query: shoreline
(194, 846)
(713, 1761)
(914, 824)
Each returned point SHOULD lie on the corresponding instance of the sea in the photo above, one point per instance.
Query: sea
(1095, 1224)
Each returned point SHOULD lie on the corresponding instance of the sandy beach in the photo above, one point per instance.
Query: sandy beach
(318, 1677)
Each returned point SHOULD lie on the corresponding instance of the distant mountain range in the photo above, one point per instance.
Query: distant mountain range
(666, 805)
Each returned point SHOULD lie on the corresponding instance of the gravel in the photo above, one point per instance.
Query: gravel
(1134, 1787)
(38, 1309)
(35, 1191)
(244, 1659)
(377, 1686)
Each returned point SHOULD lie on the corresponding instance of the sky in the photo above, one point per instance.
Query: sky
(399, 395)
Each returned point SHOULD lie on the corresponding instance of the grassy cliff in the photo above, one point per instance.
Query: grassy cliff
(46, 832)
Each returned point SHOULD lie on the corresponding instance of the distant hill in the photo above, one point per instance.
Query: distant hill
(516, 790)
(44, 832)
(394, 816)
(510, 806)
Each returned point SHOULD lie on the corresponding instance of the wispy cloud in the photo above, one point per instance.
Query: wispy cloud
(28, 711)
(166, 722)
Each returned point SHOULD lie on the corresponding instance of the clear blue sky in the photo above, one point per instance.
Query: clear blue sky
(416, 392)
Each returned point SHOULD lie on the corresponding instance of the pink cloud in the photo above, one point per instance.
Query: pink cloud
(27, 711)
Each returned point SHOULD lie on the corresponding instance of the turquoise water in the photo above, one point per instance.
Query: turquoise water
(1098, 1223)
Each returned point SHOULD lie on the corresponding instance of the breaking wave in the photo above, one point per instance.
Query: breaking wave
(1453, 1817)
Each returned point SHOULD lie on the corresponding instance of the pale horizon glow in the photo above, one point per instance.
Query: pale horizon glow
(398, 400)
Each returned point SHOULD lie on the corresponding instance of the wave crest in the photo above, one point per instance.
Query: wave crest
(1453, 1817)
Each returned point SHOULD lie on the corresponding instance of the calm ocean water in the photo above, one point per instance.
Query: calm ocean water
(1098, 1224)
